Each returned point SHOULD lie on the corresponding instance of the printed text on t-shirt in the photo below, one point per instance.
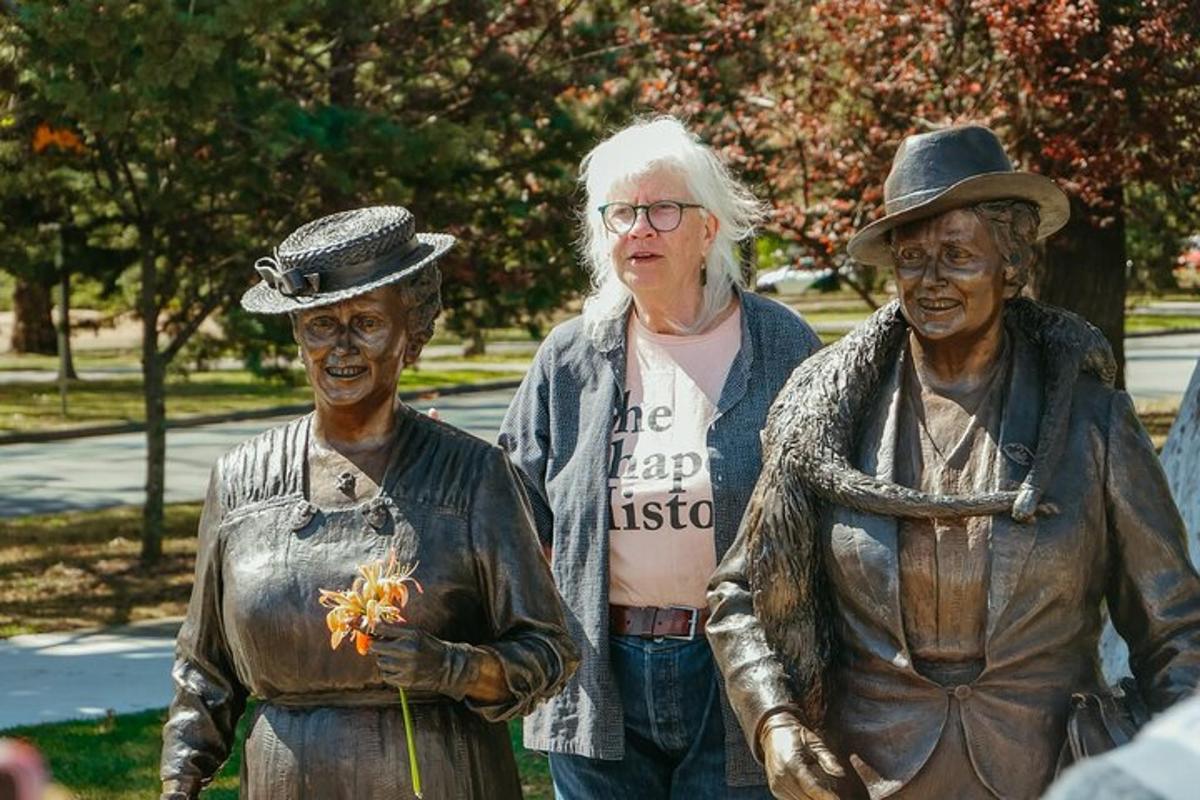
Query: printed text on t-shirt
(656, 467)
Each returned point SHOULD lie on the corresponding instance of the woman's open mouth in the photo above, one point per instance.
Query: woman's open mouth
(345, 373)
(643, 257)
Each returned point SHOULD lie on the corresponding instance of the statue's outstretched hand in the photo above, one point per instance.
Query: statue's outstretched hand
(799, 765)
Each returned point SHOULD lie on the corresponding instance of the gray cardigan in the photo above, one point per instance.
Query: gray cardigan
(557, 433)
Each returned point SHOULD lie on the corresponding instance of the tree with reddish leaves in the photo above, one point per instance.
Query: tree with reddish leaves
(1100, 95)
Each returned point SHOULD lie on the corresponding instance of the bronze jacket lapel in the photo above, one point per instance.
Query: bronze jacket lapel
(1011, 542)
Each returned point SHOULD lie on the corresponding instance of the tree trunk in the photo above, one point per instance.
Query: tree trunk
(861, 278)
(33, 328)
(474, 344)
(1085, 272)
(66, 364)
(154, 391)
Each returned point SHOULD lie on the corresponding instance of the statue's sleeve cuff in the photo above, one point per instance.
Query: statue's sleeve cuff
(180, 789)
(756, 745)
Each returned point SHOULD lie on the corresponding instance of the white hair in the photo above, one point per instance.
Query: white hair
(644, 147)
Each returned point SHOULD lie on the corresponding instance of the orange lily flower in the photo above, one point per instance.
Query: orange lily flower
(379, 594)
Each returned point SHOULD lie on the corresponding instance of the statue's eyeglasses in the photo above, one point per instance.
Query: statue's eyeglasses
(663, 215)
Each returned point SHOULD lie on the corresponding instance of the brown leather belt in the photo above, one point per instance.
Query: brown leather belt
(651, 622)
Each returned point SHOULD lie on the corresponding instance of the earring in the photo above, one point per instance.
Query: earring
(703, 274)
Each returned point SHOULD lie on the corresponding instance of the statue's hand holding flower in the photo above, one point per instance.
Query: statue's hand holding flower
(412, 659)
(376, 598)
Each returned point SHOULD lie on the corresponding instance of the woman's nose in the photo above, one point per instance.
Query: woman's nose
(641, 225)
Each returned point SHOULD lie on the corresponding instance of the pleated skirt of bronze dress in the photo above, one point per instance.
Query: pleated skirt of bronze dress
(359, 753)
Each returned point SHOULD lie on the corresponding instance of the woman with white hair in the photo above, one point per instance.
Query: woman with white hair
(636, 435)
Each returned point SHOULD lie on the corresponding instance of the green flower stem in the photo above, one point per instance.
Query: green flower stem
(414, 769)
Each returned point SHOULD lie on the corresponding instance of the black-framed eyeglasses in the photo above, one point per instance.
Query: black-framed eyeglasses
(663, 215)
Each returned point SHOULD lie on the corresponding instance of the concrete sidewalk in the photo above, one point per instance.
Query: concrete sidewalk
(51, 677)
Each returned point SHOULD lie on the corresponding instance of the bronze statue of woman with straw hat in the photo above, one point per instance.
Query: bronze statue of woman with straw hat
(950, 496)
(349, 493)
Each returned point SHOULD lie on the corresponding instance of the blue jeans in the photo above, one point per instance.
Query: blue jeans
(674, 735)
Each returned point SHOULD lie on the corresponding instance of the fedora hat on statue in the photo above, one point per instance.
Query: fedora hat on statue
(951, 168)
(340, 256)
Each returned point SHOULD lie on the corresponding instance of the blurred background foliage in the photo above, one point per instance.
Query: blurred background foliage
(195, 134)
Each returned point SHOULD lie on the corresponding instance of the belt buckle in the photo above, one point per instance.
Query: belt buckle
(692, 624)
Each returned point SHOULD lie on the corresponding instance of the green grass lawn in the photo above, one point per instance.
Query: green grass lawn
(83, 358)
(101, 357)
(847, 317)
(1144, 323)
(117, 759)
(36, 406)
(1133, 299)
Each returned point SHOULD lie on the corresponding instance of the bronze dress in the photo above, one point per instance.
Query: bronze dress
(326, 725)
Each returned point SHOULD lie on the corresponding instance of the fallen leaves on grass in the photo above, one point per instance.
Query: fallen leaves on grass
(83, 569)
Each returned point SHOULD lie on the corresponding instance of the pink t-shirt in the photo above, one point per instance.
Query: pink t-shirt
(661, 548)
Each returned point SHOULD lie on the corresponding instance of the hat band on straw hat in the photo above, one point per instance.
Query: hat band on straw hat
(296, 282)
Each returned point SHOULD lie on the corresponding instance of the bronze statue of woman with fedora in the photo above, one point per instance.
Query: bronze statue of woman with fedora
(950, 495)
(301, 506)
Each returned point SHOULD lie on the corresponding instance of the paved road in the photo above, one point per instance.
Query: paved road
(50, 677)
(1158, 367)
(107, 471)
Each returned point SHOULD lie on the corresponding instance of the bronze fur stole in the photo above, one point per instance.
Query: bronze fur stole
(809, 440)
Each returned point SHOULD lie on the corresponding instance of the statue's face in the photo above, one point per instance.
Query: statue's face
(354, 350)
(950, 276)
